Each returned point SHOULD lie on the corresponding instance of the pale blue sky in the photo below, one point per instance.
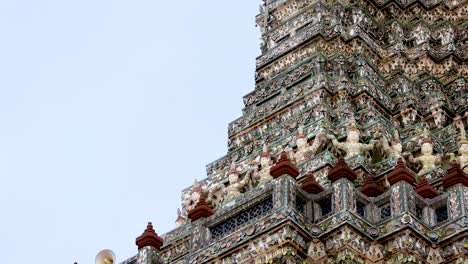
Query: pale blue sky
(108, 109)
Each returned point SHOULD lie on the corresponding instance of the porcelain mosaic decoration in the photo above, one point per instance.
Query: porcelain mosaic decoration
(352, 146)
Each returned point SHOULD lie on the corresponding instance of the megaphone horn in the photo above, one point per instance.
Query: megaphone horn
(106, 256)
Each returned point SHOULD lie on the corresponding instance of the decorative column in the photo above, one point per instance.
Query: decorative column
(149, 245)
(402, 198)
(197, 217)
(456, 184)
(342, 179)
(285, 174)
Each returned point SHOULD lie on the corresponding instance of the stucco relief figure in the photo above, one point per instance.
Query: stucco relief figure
(420, 34)
(361, 68)
(357, 15)
(397, 34)
(439, 117)
(427, 159)
(316, 250)
(446, 36)
(352, 147)
(302, 146)
(320, 138)
(215, 196)
(462, 157)
(190, 198)
(341, 66)
(186, 203)
(234, 188)
(263, 175)
(304, 150)
(409, 116)
(180, 221)
(395, 149)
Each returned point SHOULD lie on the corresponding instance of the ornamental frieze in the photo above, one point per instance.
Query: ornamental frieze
(336, 47)
(434, 116)
(432, 12)
(318, 161)
(438, 41)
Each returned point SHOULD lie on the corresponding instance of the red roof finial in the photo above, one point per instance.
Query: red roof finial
(454, 176)
(341, 160)
(341, 170)
(180, 219)
(310, 185)
(425, 189)
(284, 166)
(149, 238)
(370, 188)
(401, 173)
(202, 209)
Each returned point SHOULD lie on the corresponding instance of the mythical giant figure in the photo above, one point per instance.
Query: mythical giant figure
(427, 159)
(395, 149)
(462, 146)
(191, 197)
(263, 175)
(352, 147)
(228, 193)
(304, 150)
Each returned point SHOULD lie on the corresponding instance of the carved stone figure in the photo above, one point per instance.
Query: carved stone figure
(352, 146)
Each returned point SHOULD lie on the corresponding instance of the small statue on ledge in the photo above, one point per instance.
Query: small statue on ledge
(304, 150)
(231, 191)
(427, 159)
(463, 155)
(395, 150)
(180, 221)
(190, 198)
(263, 175)
(235, 185)
(352, 146)
(462, 146)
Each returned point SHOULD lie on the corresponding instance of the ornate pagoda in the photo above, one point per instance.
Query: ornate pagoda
(350, 149)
